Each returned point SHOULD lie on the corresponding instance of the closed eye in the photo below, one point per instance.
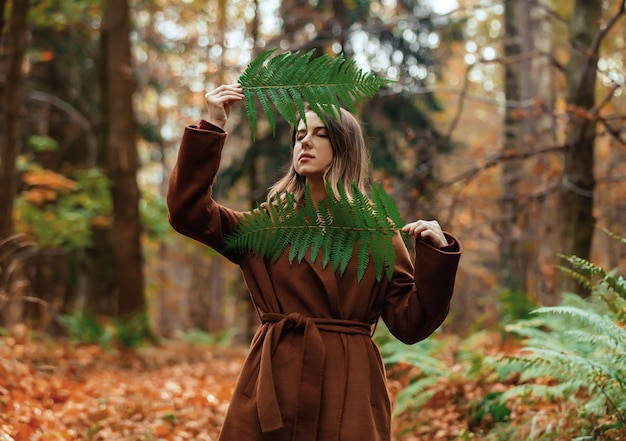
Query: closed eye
(317, 131)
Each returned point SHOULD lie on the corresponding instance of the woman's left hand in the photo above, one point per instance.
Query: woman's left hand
(427, 230)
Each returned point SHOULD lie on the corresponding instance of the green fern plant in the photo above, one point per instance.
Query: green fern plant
(423, 355)
(588, 355)
(332, 230)
(582, 345)
(288, 81)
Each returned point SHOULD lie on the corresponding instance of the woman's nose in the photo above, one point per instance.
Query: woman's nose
(306, 142)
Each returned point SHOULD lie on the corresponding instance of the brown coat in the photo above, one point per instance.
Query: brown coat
(313, 372)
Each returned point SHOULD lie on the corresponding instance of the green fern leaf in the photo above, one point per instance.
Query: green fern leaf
(386, 204)
(267, 108)
(337, 229)
(363, 250)
(601, 324)
(324, 218)
(592, 276)
(250, 106)
(585, 354)
(286, 80)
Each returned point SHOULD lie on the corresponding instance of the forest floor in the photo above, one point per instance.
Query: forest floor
(55, 390)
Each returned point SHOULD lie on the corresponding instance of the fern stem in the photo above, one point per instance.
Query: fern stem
(620, 415)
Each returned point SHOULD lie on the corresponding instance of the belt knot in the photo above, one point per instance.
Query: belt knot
(296, 320)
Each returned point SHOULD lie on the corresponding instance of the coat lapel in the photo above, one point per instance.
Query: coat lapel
(329, 279)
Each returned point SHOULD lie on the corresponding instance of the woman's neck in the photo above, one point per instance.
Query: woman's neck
(317, 189)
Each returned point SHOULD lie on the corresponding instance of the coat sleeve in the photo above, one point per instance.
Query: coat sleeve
(418, 298)
(191, 208)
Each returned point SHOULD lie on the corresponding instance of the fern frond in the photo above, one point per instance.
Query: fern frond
(538, 390)
(615, 236)
(570, 364)
(415, 395)
(597, 341)
(339, 228)
(601, 324)
(422, 355)
(288, 80)
(581, 344)
(582, 271)
(382, 199)
(589, 354)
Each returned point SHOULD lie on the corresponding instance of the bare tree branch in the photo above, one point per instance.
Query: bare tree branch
(459, 111)
(74, 114)
(595, 110)
(594, 49)
(595, 46)
(498, 159)
(613, 132)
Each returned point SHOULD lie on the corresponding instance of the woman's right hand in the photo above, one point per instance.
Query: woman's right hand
(220, 101)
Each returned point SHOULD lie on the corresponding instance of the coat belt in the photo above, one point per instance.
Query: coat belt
(312, 357)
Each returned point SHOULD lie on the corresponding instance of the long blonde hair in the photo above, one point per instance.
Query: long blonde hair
(350, 163)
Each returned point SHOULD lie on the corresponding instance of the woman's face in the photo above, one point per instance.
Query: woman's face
(312, 151)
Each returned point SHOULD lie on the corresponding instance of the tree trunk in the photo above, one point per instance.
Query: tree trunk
(2, 11)
(544, 130)
(512, 275)
(576, 221)
(123, 160)
(10, 139)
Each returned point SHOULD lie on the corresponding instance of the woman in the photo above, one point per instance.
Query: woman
(313, 372)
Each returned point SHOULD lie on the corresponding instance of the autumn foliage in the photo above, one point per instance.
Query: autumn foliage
(437, 142)
(55, 390)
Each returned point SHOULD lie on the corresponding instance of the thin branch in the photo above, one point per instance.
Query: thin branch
(595, 110)
(615, 133)
(74, 114)
(4, 297)
(594, 49)
(595, 45)
(451, 91)
(457, 117)
(497, 160)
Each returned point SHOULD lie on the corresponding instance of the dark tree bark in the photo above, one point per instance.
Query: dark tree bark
(576, 194)
(512, 275)
(542, 211)
(2, 10)
(123, 159)
(10, 138)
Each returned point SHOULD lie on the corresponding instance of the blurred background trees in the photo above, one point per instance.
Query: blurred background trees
(506, 123)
